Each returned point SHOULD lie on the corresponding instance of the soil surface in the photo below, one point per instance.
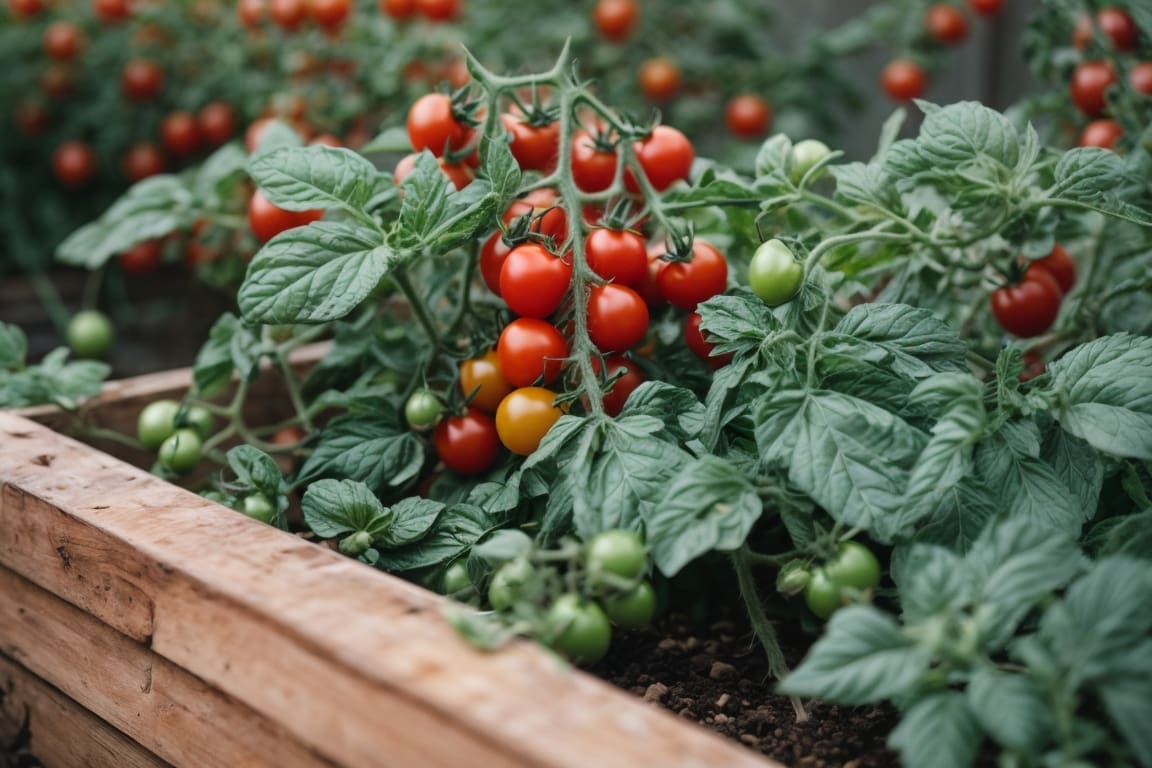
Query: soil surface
(716, 674)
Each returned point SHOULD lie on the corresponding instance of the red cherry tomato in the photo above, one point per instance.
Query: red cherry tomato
(700, 346)
(492, 256)
(531, 350)
(439, 10)
(747, 116)
(617, 317)
(986, 7)
(330, 14)
(903, 80)
(468, 444)
(1061, 266)
(632, 378)
(432, 125)
(141, 258)
(535, 147)
(398, 9)
(288, 14)
(216, 122)
(533, 281)
(665, 156)
(615, 19)
(1101, 133)
(593, 169)
(142, 160)
(686, 284)
(946, 23)
(268, 220)
(1140, 77)
(74, 163)
(659, 79)
(1116, 25)
(543, 208)
(180, 135)
(1030, 307)
(141, 80)
(63, 41)
(617, 255)
(111, 11)
(1090, 80)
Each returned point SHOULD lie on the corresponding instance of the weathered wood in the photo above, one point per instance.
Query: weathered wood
(358, 665)
(60, 732)
(167, 710)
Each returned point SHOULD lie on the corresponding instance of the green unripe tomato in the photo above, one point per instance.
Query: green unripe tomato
(774, 274)
(456, 578)
(356, 544)
(509, 582)
(156, 422)
(618, 552)
(632, 610)
(822, 595)
(423, 409)
(793, 578)
(90, 333)
(584, 632)
(259, 507)
(854, 566)
(805, 155)
(182, 451)
(200, 419)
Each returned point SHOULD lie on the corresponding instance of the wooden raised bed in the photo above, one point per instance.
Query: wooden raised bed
(142, 625)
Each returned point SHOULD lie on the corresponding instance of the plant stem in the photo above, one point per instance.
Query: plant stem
(419, 308)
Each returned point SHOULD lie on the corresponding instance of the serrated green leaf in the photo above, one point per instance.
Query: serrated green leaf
(374, 451)
(226, 166)
(707, 504)
(456, 530)
(315, 273)
(230, 349)
(1078, 465)
(863, 657)
(931, 580)
(959, 516)
(1105, 394)
(1011, 708)
(335, 507)
(434, 215)
(13, 347)
(866, 185)
(256, 470)
(305, 178)
(937, 731)
(679, 408)
(772, 157)
(737, 321)
(920, 343)
(1128, 700)
(412, 518)
(1008, 462)
(1131, 537)
(952, 136)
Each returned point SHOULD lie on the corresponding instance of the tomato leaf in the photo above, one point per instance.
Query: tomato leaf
(305, 178)
(940, 730)
(315, 273)
(1104, 391)
(1090, 176)
(679, 408)
(255, 471)
(918, 343)
(866, 185)
(231, 348)
(456, 530)
(1078, 465)
(54, 380)
(335, 507)
(412, 518)
(377, 451)
(931, 580)
(737, 322)
(13, 346)
(219, 173)
(707, 504)
(959, 135)
(959, 516)
(862, 657)
(434, 215)
(1012, 708)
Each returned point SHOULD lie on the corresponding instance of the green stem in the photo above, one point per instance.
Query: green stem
(741, 562)
(464, 301)
(419, 308)
(293, 387)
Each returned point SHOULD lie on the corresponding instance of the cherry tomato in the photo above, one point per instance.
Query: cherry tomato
(432, 125)
(288, 14)
(686, 284)
(423, 409)
(141, 258)
(533, 281)
(1140, 77)
(268, 220)
(747, 116)
(180, 134)
(330, 14)
(251, 12)
(700, 346)
(542, 206)
(1116, 25)
(615, 19)
(181, 451)
(1090, 80)
(593, 168)
(398, 9)
(468, 444)
(946, 23)
(459, 174)
(200, 419)
(156, 422)
(821, 595)
(216, 122)
(617, 552)
(111, 11)
(659, 78)
(74, 163)
(617, 317)
(510, 584)
(632, 610)
(439, 10)
(90, 333)
(256, 130)
(26, 8)
(1030, 307)
(141, 80)
(903, 80)
(649, 287)
(529, 350)
(259, 507)
(665, 156)
(1103, 133)
(624, 386)
(584, 633)
(1061, 266)
(483, 376)
(142, 160)
(853, 567)
(492, 256)
(986, 7)
(524, 417)
(63, 41)
(617, 255)
(455, 579)
(535, 147)
(804, 157)
(774, 274)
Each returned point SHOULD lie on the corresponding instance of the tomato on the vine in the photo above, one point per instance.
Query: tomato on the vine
(141, 80)
(483, 376)
(111, 11)
(659, 78)
(583, 631)
(330, 14)
(468, 444)
(535, 146)
(617, 255)
(685, 284)
(432, 124)
(529, 350)
(510, 583)
(986, 7)
(63, 41)
(533, 280)
(700, 346)
(617, 317)
(398, 9)
(805, 155)
(615, 19)
(1090, 80)
(423, 409)
(1030, 307)
(903, 80)
(180, 134)
(747, 116)
(524, 417)
(631, 378)
(632, 610)
(1140, 77)
(200, 419)
(142, 160)
(774, 274)
(288, 14)
(946, 23)
(665, 155)
(593, 167)
(439, 10)
(542, 208)
(617, 552)
(74, 163)
(492, 255)
(141, 258)
(181, 451)
(216, 122)
(268, 220)
(853, 567)
(1060, 264)
(1117, 26)
(90, 333)
(156, 422)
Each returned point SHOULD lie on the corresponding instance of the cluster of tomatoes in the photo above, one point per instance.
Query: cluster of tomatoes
(849, 575)
(511, 390)
(945, 24)
(1028, 307)
(1109, 42)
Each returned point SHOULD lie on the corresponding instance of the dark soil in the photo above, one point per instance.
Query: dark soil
(716, 674)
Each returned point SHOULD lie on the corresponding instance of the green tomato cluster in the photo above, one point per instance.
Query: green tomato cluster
(176, 434)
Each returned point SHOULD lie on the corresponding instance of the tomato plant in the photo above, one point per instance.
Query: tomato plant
(74, 163)
(530, 350)
(1090, 80)
(423, 409)
(632, 610)
(665, 156)
(181, 451)
(747, 115)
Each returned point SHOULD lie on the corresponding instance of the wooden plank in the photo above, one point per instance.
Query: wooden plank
(60, 731)
(168, 711)
(354, 662)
